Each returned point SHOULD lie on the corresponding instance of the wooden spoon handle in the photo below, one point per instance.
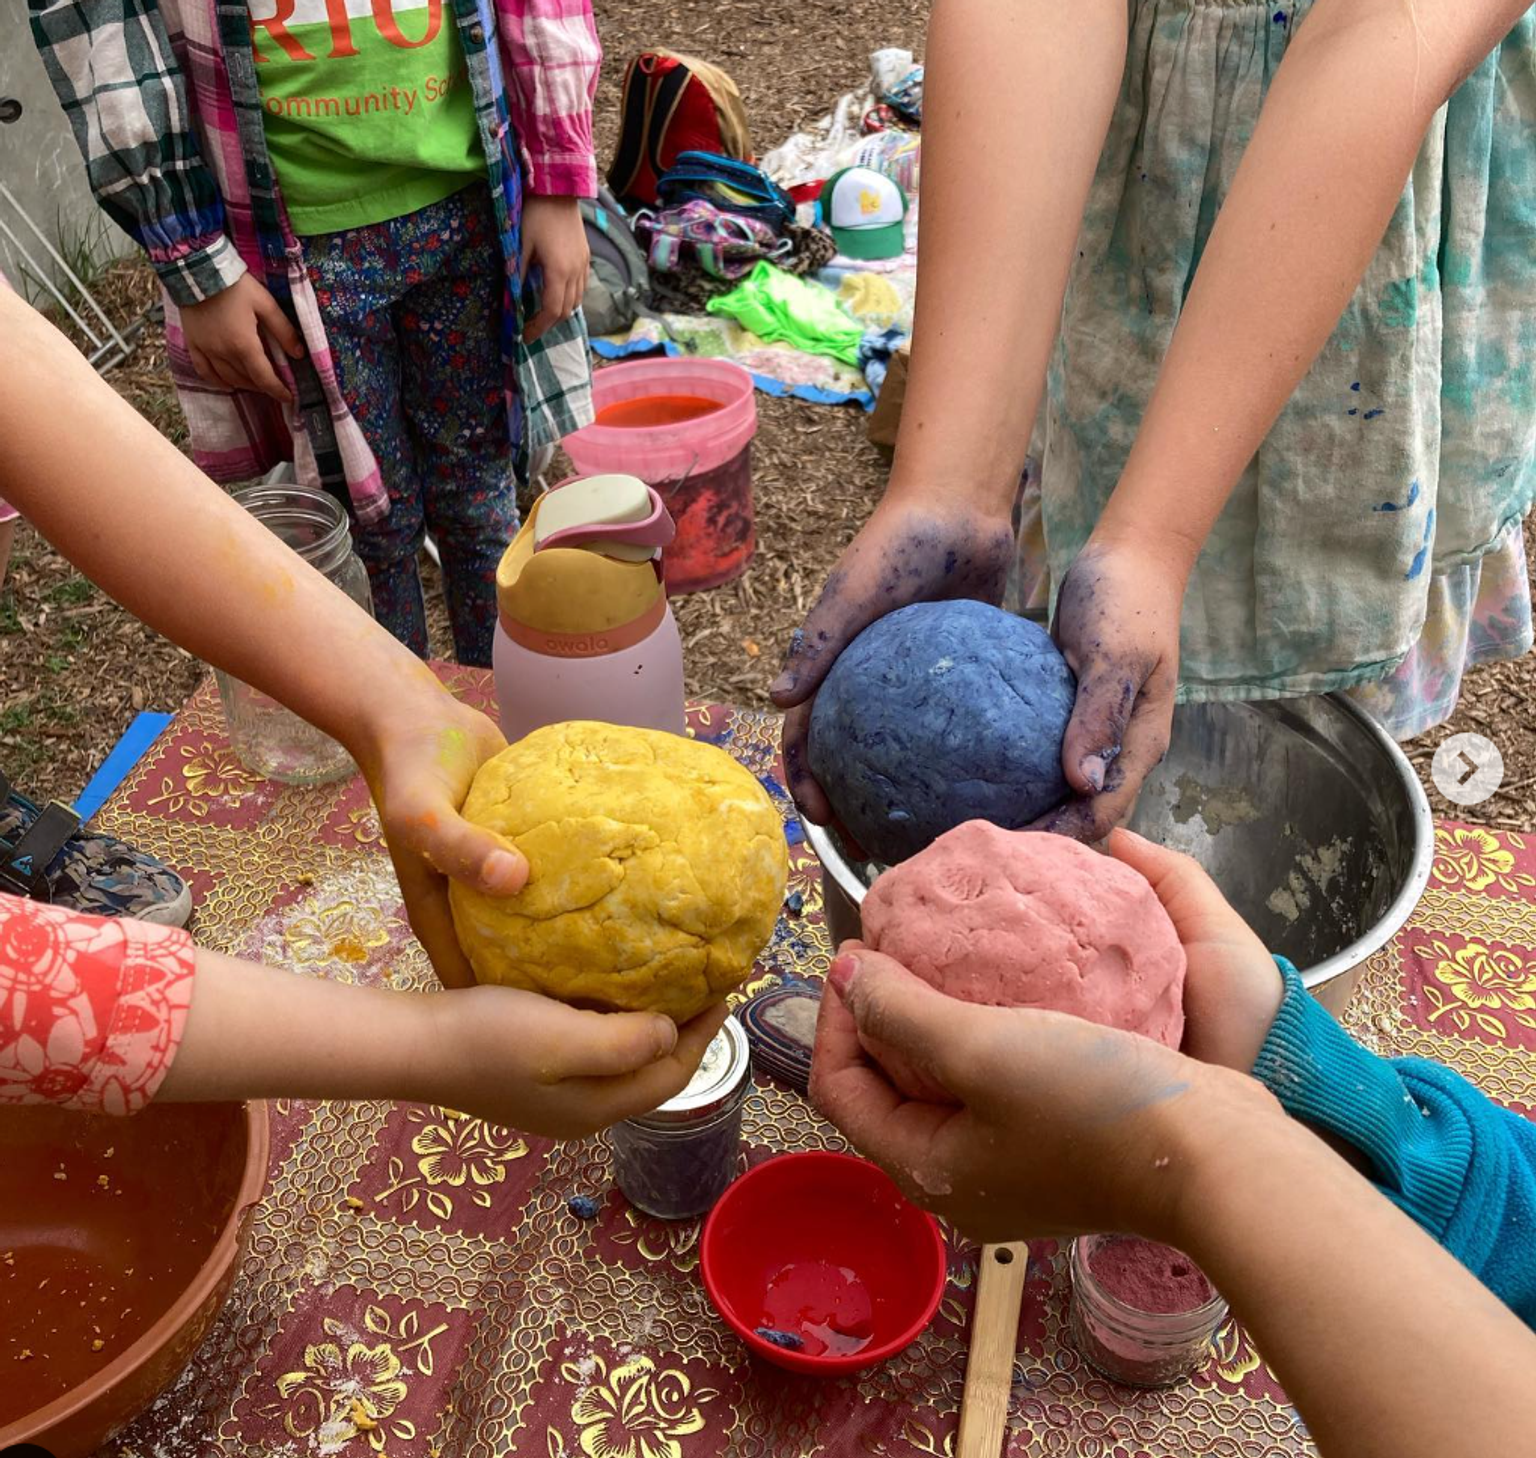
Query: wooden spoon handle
(994, 1330)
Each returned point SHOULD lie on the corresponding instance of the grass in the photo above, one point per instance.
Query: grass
(86, 248)
(73, 593)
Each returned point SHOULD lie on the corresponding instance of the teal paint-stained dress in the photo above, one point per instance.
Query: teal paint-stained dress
(1374, 543)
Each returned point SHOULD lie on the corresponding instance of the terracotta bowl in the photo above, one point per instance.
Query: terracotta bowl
(119, 1241)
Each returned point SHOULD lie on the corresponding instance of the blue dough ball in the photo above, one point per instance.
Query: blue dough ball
(937, 714)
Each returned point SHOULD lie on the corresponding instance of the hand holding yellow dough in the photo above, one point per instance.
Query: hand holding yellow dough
(657, 866)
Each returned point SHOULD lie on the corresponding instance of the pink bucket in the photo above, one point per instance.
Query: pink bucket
(684, 427)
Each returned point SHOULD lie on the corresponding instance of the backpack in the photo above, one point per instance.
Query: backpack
(727, 184)
(618, 281)
(673, 104)
(696, 234)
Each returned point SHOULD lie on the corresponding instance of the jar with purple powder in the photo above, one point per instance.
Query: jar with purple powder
(1142, 1313)
(676, 1161)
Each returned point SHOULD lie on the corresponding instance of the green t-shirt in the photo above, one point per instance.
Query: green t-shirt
(368, 109)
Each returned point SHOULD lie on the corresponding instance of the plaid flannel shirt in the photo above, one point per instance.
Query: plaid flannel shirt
(166, 108)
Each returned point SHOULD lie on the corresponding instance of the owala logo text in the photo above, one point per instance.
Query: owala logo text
(565, 648)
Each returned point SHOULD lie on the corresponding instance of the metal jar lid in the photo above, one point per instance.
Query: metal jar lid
(721, 1078)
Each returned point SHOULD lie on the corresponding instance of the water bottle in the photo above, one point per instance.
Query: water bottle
(585, 629)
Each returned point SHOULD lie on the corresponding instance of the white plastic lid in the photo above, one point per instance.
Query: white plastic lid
(596, 501)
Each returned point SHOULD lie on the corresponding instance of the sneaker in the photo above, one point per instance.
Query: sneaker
(47, 855)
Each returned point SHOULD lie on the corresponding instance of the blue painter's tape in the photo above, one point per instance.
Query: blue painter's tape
(119, 763)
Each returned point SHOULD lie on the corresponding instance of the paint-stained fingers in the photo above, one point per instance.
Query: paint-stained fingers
(808, 795)
(1091, 817)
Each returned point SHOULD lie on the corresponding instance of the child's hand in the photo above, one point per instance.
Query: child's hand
(227, 338)
(522, 1060)
(555, 242)
(1062, 1126)
(1233, 988)
(419, 772)
(511, 1057)
(1117, 624)
(903, 555)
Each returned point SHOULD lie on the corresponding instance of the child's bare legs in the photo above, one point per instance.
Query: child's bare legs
(412, 308)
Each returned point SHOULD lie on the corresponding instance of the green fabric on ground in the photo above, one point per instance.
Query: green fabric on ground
(777, 306)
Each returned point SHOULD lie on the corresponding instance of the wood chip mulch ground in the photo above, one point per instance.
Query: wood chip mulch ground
(74, 668)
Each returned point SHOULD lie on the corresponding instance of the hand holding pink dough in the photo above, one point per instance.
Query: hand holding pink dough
(1028, 919)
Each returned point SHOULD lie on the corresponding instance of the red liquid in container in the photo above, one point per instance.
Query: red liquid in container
(651, 410)
(827, 1306)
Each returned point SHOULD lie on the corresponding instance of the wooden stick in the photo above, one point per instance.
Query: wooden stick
(994, 1331)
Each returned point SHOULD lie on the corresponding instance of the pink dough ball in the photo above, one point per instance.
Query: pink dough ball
(1013, 918)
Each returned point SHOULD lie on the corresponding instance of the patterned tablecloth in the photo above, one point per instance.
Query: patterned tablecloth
(420, 1271)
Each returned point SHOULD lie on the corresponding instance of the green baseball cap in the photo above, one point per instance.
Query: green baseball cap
(866, 212)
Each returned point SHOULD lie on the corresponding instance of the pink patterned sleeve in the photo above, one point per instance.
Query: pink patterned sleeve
(91, 1009)
(552, 58)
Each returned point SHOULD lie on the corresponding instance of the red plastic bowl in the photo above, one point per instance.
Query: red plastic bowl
(798, 1216)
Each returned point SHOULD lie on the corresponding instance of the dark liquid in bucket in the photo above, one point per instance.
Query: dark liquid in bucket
(656, 410)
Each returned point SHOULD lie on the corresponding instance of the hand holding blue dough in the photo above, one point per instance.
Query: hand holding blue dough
(937, 714)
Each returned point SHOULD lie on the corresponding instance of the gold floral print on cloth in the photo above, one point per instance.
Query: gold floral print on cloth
(454, 1157)
(1472, 858)
(211, 776)
(636, 1410)
(417, 1286)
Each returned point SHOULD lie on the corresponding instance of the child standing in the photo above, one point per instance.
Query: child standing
(333, 196)
(1269, 269)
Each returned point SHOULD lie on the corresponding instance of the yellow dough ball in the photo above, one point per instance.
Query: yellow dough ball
(657, 869)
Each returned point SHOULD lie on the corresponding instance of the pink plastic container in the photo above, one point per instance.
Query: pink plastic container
(684, 427)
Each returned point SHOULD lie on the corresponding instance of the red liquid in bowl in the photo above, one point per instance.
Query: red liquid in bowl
(822, 1247)
(828, 1307)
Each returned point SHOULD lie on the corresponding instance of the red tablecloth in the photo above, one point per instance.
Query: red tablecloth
(421, 1270)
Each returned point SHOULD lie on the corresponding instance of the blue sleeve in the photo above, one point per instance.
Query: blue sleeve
(1441, 1150)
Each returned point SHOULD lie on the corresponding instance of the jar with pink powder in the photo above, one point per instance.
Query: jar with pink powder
(1142, 1313)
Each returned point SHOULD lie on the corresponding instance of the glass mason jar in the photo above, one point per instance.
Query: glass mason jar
(676, 1161)
(270, 740)
(1126, 1344)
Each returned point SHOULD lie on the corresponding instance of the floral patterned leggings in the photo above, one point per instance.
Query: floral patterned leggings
(412, 308)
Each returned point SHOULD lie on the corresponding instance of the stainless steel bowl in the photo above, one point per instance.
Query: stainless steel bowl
(1305, 813)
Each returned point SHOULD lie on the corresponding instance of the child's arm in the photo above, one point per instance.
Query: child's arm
(511, 1057)
(138, 519)
(1442, 1150)
(105, 1015)
(552, 57)
(1461, 1166)
(114, 72)
(1060, 1127)
(1339, 132)
(112, 66)
(1017, 100)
